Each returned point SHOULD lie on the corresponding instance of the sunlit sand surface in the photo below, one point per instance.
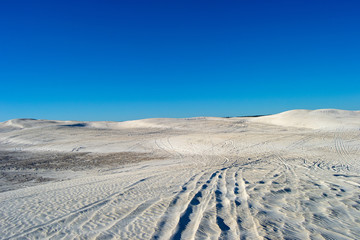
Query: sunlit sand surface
(294, 175)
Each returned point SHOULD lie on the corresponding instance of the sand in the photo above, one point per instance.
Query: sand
(293, 175)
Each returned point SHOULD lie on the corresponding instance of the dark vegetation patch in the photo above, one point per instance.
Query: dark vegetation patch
(21, 160)
(249, 116)
(19, 169)
(75, 125)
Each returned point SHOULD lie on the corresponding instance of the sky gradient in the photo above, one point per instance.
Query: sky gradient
(122, 60)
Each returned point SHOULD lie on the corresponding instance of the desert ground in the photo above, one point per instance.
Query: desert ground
(293, 175)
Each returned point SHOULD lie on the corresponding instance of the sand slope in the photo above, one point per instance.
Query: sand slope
(294, 175)
(317, 119)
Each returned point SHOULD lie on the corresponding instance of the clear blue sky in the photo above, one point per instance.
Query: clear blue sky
(122, 60)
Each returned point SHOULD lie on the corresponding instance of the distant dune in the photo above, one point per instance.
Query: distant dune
(316, 119)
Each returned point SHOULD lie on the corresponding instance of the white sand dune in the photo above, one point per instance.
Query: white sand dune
(316, 119)
(293, 175)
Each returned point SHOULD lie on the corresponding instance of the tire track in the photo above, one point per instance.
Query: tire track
(224, 219)
(245, 220)
(190, 218)
(167, 222)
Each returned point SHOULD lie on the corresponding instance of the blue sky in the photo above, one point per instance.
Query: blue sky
(122, 60)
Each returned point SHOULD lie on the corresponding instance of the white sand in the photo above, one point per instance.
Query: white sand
(294, 175)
